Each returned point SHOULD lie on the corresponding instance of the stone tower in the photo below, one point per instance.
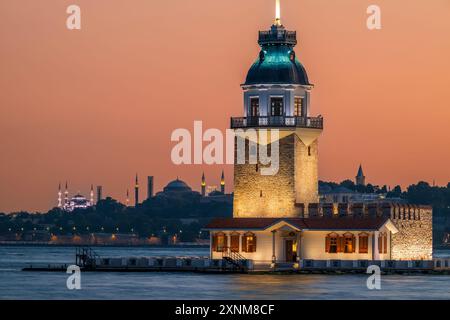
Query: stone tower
(277, 95)
(360, 177)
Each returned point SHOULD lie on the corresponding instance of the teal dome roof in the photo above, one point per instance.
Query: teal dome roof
(277, 65)
(277, 62)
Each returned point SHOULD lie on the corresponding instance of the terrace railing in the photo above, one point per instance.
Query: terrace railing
(277, 122)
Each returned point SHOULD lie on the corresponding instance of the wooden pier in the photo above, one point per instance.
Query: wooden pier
(89, 261)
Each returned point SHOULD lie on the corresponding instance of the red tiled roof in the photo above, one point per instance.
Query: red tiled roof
(241, 223)
(365, 223)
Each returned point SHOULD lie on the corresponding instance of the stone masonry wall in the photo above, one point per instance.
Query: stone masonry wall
(414, 241)
(256, 195)
(306, 172)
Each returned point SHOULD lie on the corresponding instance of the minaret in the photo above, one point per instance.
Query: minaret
(136, 192)
(92, 195)
(59, 196)
(277, 98)
(128, 198)
(66, 195)
(203, 185)
(149, 187)
(360, 178)
(99, 193)
(222, 183)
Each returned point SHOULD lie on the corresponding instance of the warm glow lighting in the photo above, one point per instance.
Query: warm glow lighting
(278, 13)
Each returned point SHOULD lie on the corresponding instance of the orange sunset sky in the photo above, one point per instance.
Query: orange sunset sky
(97, 105)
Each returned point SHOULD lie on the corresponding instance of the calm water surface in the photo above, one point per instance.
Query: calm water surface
(16, 284)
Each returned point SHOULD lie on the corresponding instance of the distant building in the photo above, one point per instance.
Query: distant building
(177, 188)
(211, 189)
(360, 179)
(344, 195)
(76, 202)
(336, 195)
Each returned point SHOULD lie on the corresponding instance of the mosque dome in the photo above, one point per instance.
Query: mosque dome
(177, 186)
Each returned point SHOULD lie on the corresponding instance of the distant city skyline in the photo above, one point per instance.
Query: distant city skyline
(96, 105)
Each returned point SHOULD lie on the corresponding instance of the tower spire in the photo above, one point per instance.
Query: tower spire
(222, 183)
(277, 13)
(128, 198)
(360, 178)
(136, 191)
(66, 195)
(203, 185)
(59, 196)
(92, 195)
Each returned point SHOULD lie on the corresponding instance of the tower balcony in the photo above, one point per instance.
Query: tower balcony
(277, 35)
(277, 122)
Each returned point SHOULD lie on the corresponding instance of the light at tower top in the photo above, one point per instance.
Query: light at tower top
(277, 13)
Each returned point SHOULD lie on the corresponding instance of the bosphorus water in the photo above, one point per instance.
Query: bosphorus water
(17, 284)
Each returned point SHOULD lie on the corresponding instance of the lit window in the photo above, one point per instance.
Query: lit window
(249, 242)
(363, 243)
(276, 107)
(298, 106)
(332, 243)
(219, 242)
(349, 243)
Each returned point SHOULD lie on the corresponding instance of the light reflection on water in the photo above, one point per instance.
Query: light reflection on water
(15, 284)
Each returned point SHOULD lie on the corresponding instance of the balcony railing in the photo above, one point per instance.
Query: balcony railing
(277, 36)
(277, 122)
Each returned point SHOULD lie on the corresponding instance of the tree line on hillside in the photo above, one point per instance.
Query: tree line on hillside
(159, 215)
